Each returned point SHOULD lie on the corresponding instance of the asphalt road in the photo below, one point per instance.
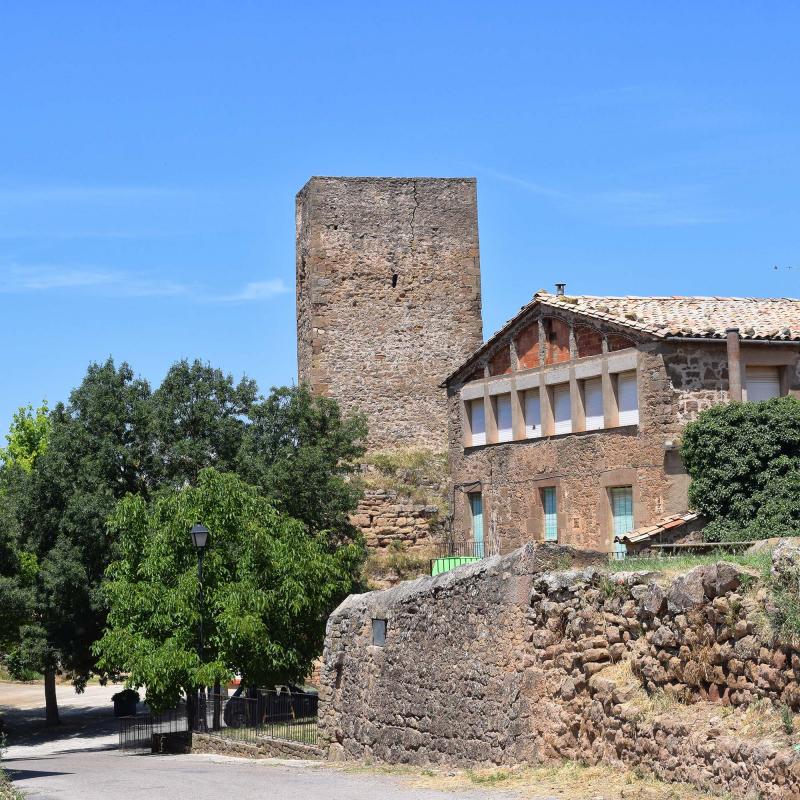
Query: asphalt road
(80, 761)
(105, 774)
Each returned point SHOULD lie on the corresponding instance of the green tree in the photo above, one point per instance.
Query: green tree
(98, 450)
(744, 462)
(302, 452)
(27, 438)
(199, 420)
(269, 587)
(27, 441)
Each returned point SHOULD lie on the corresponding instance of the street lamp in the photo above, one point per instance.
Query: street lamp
(199, 534)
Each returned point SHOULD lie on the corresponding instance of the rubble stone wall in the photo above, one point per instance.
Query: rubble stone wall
(511, 660)
(388, 298)
(384, 518)
(262, 747)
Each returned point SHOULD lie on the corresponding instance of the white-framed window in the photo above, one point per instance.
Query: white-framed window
(762, 383)
(562, 409)
(477, 422)
(533, 414)
(503, 411)
(627, 399)
(593, 403)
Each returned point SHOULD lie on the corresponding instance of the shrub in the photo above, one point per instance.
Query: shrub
(744, 462)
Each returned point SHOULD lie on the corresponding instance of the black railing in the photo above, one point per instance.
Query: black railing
(136, 733)
(465, 549)
(290, 716)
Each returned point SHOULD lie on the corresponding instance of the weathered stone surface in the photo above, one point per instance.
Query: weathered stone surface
(687, 591)
(388, 298)
(500, 662)
(263, 747)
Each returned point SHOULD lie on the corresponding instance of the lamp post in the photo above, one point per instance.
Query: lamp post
(199, 535)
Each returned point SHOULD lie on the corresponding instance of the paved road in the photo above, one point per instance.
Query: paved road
(106, 774)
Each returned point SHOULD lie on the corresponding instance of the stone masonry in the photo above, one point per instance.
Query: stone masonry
(386, 518)
(676, 380)
(388, 298)
(515, 659)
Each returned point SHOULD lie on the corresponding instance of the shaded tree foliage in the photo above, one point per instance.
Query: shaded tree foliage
(97, 452)
(66, 471)
(199, 418)
(744, 461)
(268, 590)
(302, 452)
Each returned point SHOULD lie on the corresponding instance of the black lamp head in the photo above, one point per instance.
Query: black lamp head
(199, 536)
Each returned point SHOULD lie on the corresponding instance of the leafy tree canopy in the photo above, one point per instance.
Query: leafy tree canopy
(268, 590)
(301, 452)
(27, 441)
(97, 451)
(115, 437)
(199, 420)
(744, 461)
(27, 438)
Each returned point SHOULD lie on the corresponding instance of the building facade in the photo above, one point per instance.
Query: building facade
(565, 425)
(388, 298)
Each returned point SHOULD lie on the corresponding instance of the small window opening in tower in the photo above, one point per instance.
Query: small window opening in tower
(394, 280)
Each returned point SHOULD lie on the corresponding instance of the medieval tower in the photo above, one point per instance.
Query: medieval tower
(388, 298)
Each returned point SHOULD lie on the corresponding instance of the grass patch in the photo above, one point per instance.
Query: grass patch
(759, 562)
(304, 732)
(568, 779)
(420, 475)
(397, 561)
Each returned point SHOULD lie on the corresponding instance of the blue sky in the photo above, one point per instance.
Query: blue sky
(150, 153)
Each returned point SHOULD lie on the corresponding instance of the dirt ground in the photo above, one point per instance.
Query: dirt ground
(569, 781)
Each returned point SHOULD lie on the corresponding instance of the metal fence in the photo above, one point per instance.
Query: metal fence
(136, 733)
(291, 716)
(466, 549)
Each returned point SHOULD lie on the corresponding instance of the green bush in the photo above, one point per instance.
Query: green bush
(744, 462)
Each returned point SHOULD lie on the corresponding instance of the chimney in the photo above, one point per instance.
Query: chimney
(560, 289)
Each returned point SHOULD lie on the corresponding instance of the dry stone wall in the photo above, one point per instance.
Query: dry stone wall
(386, 518)
(512, 660)
(261, 747)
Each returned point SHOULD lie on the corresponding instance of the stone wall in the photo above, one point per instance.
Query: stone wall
(388, 298)
(675, 381)
(262, 747)
(581, 466)
(386, 518)
(510, 660)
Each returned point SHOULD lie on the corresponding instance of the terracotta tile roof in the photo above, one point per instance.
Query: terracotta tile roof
(758, 318)
(776, 318)
(649, 531)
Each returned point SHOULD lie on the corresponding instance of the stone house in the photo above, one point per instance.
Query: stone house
(565, 425)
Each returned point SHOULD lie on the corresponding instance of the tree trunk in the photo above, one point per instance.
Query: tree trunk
(217, 704)
(50, 699)
(191, 709)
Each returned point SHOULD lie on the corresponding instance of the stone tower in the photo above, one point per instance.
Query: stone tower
(388, 298)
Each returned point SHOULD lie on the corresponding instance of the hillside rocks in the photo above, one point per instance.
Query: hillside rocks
(505, 661)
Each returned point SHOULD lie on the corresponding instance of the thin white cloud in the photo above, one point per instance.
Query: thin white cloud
(257, 290)
(116, 283)
(673, 207)
(71, 194)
